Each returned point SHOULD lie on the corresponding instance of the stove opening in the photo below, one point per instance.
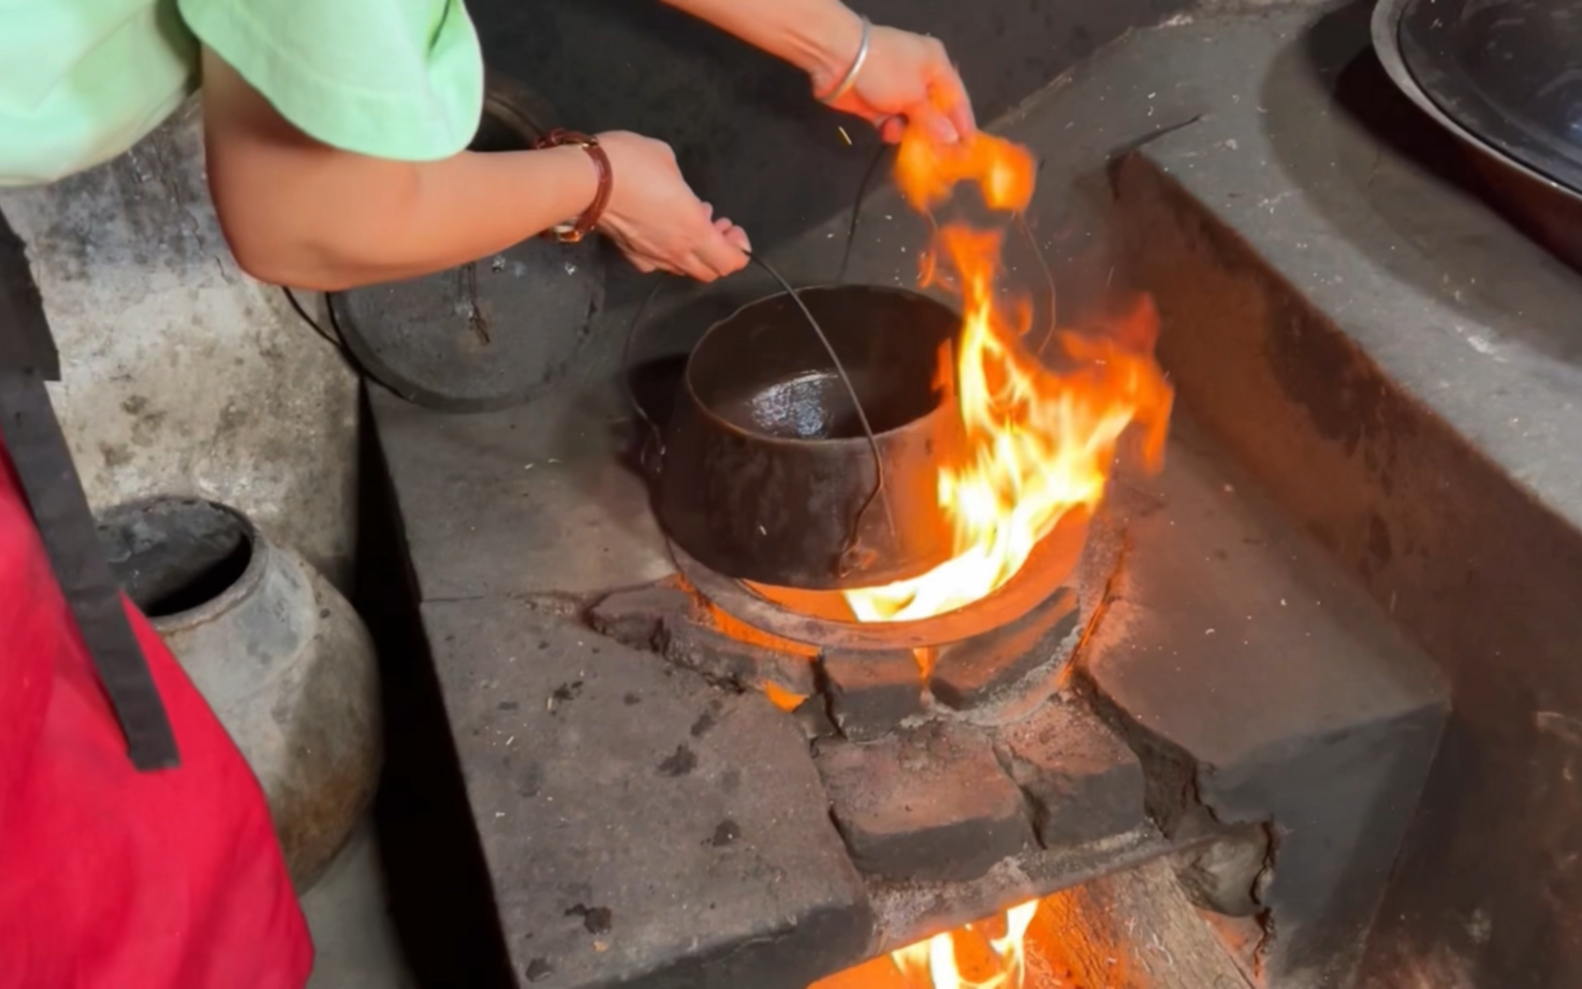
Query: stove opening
(988, 954)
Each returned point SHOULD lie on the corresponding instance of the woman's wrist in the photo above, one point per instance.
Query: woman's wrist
(592, 151)
(820, 37)
(830, 47)
(579, 172)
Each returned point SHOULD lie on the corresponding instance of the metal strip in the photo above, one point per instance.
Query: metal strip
(37, 447)
(25, 340)
(60, 510)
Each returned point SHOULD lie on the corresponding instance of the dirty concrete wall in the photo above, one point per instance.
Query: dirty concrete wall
(746, 130)
(180, 374)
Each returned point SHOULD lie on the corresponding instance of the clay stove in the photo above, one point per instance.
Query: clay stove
(648, 813)
(671, 779)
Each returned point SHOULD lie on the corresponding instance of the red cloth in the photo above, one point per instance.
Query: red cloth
(108, 877)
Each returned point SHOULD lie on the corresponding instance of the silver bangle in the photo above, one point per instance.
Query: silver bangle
(850, 78)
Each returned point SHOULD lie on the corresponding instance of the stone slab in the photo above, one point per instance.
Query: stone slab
(1257, 678)
(533, 500)
(927, 804)
(1222, 607)
(1083, 781)
(871, 693)
(640, 828)
(1349, 310)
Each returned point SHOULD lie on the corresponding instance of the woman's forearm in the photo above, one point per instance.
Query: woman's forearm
(298, 212)
(349, 220)
(820, 37)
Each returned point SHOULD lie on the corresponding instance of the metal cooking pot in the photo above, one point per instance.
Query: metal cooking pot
(768, 474)
(1505, 78)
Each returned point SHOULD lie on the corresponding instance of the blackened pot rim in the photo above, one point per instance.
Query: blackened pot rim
(943, 403)
(1048, 569)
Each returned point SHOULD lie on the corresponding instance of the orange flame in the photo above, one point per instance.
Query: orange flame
(935, 958)
(928, 172)
(1040, 440)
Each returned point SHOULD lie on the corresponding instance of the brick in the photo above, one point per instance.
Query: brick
(980, 670)
(929, 804)
(871, 693)
(1083, 781)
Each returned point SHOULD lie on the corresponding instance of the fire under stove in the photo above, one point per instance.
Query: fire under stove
(658, 776)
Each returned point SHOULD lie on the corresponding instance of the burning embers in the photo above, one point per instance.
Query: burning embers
(990, 955)
(1040, 438)
(935, 959)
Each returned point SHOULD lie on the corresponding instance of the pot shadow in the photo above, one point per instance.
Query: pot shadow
(1409, 198)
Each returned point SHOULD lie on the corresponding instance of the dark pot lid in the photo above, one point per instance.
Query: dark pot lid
(491, 334)
(1508, 71)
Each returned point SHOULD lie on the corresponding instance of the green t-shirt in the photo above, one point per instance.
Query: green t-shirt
(83, 80)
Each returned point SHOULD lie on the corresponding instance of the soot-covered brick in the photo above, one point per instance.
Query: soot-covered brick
(871, 693)
(1083, 781)
(976, 672)
(927, 804)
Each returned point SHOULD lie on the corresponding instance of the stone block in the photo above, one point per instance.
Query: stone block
(871, 693)
(978, 671)
(1229, 874)
(524, 501)
(929, 804)
(1259, 683)
(639, 827)
(812, 716)
(1083, 781)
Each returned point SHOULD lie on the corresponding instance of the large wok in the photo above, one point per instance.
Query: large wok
(1505, 78)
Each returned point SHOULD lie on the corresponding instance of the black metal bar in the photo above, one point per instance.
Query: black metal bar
(37, 447)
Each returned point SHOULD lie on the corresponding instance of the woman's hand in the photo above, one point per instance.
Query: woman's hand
(905, 78)
(657, 220)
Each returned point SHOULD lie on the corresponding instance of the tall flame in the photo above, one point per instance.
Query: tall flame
(1040, 438)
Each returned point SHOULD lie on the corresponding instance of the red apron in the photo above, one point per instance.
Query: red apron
(110, 877)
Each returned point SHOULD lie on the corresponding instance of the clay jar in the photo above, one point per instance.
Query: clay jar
(279, 654)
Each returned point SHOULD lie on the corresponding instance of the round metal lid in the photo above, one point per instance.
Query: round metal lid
(493, 333)
(1508, 71)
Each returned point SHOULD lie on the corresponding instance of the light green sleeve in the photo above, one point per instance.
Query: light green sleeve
(399, 79)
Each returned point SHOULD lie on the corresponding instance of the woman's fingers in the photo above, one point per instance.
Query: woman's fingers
(935, 124)
(720, 255)
(734, 235)
(698, 269)
(949, 93)
(910, 76)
